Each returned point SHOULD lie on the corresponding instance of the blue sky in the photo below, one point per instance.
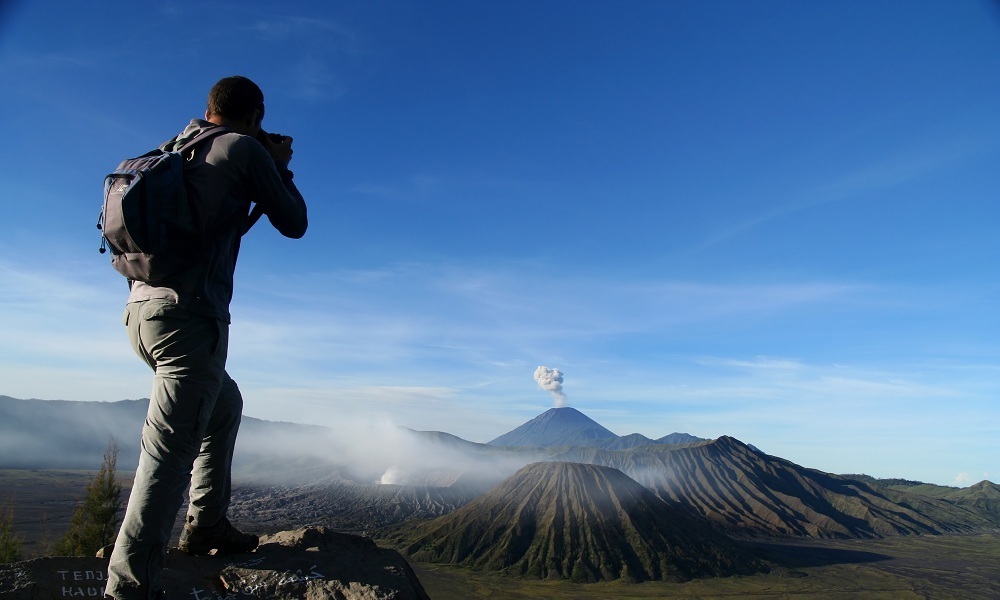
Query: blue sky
(771, 220)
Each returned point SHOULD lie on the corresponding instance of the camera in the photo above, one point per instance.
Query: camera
(263, 137)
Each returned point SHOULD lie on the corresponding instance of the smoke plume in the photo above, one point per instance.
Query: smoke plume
(551, 380)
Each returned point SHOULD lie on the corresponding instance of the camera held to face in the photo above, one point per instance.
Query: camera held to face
(263, 137)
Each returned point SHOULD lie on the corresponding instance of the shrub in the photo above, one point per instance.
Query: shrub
(95, 522)
(10, 543)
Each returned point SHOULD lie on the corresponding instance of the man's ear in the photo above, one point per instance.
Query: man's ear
(213, 118)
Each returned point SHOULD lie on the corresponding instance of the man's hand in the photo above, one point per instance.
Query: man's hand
(277, 145)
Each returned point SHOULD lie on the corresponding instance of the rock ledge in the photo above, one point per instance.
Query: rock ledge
(310, 563)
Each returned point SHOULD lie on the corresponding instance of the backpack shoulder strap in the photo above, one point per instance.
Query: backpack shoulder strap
(202, 136)
(211, 132)
(172, 146)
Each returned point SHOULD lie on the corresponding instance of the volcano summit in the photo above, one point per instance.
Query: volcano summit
(564, 426)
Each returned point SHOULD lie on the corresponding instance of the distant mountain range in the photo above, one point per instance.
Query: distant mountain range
(61, 434)
(294, 475)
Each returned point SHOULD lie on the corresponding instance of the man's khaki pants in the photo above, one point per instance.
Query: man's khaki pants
(187, 439)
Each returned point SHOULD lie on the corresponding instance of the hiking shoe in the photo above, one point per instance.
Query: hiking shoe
(221, 537)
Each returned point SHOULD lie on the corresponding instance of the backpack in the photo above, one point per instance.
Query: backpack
(147, 219)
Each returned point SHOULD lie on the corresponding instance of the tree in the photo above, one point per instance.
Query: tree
(95, 521)
(10, 542)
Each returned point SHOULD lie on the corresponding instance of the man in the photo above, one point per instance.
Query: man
(180, 327)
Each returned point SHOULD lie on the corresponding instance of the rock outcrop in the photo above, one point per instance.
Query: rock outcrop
(313, 563)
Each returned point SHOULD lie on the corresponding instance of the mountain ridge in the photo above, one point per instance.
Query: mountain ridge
(585, 523)
(749, 493)
(741, 490)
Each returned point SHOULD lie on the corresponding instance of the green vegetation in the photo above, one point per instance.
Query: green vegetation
(11, 543)
(893, 482)
(95, 522)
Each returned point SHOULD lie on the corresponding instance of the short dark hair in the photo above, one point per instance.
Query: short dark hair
(235, 97)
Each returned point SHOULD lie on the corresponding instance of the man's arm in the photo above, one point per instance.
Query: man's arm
(273, 190)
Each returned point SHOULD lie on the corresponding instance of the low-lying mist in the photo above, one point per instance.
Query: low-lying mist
(366, 453)
(52, 434)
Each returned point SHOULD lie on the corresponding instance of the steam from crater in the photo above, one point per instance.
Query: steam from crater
(393, 475)
(551, 380)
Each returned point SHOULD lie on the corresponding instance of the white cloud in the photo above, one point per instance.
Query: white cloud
(66, 314)
(453, 348)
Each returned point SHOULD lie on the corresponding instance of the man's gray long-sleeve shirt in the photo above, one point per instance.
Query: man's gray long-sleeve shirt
(224, 176)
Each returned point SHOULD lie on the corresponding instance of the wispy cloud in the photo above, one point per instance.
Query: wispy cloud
(313, 45)
(63, 336)
(438, 346)
(413, 188)
(23, 62)
(437, 307)
(938, 150)
(297, 28)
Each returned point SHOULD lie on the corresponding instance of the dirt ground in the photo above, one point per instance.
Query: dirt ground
(946, 567)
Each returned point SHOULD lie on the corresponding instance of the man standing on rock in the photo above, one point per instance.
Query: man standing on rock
(180, 327)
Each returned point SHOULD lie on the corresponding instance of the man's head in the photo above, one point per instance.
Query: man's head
(237, 103)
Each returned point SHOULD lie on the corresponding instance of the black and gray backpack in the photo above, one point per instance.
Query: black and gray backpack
(147, 219)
